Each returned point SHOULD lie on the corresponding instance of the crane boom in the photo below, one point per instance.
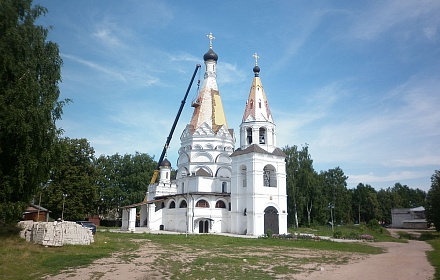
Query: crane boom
(182, 104)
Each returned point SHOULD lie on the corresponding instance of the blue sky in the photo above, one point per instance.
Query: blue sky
(358, 81)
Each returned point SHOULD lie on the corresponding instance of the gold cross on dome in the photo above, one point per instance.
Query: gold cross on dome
(210, 37)
(255, 55)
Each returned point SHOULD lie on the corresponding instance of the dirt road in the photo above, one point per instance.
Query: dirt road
(402, 261)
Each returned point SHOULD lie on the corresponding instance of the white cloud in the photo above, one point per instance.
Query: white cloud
(371, 177)
(386, 15)
(229, 73)
(112, 73)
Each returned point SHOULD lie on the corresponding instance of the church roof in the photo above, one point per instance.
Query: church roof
(257, 106)
(279, 152)
(203, 172)
(208, 106)
(210, 55)
(254, 148)
(165, 163)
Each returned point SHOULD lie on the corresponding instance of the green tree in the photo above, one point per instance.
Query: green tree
(72, 186)
(305, 202)
(386, 203)
(365, 203)
(405, 197)
(29, 107)
(122, 180)
(433, 201)
(293, 191)
(310, 186)
(338, 198)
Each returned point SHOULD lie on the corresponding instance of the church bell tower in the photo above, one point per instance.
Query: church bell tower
(258, 195)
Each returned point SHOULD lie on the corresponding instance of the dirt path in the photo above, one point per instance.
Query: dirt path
(403, 261)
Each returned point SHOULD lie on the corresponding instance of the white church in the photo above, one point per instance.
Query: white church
(220, 189)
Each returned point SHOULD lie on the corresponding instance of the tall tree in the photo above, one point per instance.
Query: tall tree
(122, 180)
(308, 180)
(293, 191)
(433, 201)
(338, 197)
(405, 197)
(72, 192)
(29, 107)
(386, 203)
(365, 203)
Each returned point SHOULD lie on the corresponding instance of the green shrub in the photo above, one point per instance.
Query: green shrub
(269, 233)
(337, 234)
(373, 224)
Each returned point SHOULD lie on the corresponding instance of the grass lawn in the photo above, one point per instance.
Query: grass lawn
(433, 238)
(24, 260)
(380, 234)
(180, 257)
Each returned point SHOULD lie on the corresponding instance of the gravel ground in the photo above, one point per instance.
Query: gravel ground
(403, 261)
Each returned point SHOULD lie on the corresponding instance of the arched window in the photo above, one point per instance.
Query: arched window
(183, 187)
(202, 203)
(224, 187)
(262, 135)
(266, 178)
(249, 135)
(183, 204)
(172, 205)
(220, 204)
(269, 176)
(243, 175)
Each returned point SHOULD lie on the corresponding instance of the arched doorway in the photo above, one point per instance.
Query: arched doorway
(271, 220)
(203, 226)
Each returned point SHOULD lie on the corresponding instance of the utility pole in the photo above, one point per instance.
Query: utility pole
(64, 200)
(331, 206)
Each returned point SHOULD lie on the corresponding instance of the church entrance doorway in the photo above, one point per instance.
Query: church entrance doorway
(271, 220)
(203, 226)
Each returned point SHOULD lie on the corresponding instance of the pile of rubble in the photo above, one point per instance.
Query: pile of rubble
(55, 233)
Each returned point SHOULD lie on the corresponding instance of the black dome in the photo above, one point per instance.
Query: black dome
(256, 70)
(210, 55)
(165, 163)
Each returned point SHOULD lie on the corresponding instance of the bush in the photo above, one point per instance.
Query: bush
(337, 234)
(269, 233)
(373, 224)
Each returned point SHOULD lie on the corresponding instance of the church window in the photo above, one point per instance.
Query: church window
(243, 175)
(269, 176)
(251, 105)
(166, 175)
(172, 205)
(266, 178)
(249, 135)
(183, 187)
(220, 204)
(224, 187)
(202, 203)
(262, 135)
(259, 104)
(183, 204)
(229, 206)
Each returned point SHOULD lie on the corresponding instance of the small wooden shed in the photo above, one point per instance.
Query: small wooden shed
(36, 213)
